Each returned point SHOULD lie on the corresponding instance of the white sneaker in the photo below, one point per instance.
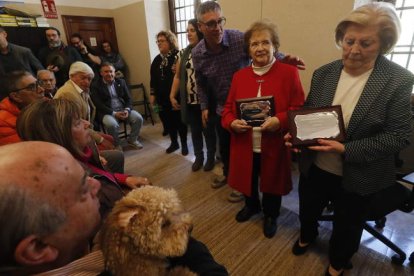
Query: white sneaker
(135, 145)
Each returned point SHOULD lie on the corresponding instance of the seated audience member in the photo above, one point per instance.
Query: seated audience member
(76, 89)
(57, 56)
(47, 229)
(49, 213)
(22, 90)
(47, 81)
(87, 54)
(111, 56)
(15, 58)
(113, 105)
(358, 173)
(64, 126)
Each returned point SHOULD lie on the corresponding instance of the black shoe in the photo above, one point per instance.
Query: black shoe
(269, 227)
(198, 163)
(173, 147)
(184, 149)
(300, 250)
(245, 214)
(209, 165)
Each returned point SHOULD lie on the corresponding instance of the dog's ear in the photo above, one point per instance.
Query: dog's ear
(125, 217)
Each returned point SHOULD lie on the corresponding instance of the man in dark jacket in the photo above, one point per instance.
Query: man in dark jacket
(16, 58)
(57, 57)
(113, 103)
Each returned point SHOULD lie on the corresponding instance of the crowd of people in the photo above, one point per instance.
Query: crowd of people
(66, 106)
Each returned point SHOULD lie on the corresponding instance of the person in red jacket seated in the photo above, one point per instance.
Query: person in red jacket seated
(22, 89)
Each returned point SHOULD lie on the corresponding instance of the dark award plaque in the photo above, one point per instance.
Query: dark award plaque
(255, 110)
(309, 124)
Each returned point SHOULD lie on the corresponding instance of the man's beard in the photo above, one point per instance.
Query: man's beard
(55, 44)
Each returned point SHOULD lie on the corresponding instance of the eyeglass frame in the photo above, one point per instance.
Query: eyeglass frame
(212, 24)
(160, 41)
(43, 82)
(34, 89)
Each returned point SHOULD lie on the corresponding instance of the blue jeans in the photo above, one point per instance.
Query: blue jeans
(111, 125)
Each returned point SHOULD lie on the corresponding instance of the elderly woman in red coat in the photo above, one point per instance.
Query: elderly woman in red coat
(258, 154)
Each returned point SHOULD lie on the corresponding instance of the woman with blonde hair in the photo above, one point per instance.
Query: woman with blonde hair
(357, 175)
(59, 121)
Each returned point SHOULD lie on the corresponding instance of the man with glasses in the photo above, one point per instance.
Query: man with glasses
(87, 53)
(216, 58)
(22, 89)
(57, 57)
(47, 81)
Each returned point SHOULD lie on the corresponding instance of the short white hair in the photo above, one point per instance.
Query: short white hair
(80, 67)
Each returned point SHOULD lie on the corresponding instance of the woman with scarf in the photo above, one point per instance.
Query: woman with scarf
(162, 75)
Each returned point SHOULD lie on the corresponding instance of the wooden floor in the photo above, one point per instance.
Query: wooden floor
(241, 247)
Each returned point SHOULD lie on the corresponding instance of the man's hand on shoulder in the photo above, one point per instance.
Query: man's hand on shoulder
(294, 60)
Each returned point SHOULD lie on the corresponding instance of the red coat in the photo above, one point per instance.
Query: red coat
(8, 116)
(283, 83)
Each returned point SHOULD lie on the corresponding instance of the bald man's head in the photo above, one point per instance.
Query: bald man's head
(48, 206)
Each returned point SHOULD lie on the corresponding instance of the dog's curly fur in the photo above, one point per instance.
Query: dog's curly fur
(144, 228)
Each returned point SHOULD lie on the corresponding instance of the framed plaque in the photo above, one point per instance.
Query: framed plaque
(309, 124)
(255, 110)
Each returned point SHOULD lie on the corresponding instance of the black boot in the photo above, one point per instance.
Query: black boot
(209, 165)
(184, 148)
(198, 163)
(173, 147)
(269, 226)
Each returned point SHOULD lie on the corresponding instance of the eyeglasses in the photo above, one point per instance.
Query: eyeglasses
(211, 25)
(31, 87)
(45, 82)
(159, 41)
(255, 44)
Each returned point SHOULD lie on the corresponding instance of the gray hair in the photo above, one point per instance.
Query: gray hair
(40, 72)
(206, 7)
(12, 80)
(379, 14)
(23, 213)
(80, 67)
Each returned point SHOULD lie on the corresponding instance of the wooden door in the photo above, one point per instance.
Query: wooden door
(91, 29)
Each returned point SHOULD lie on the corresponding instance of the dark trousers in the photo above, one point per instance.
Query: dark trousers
(163, 119)
(224, 141)
(350, 212)
(173, 124)
(197, 133)
(199, 259)
(315, 191)
(270, 203)
(349, 218)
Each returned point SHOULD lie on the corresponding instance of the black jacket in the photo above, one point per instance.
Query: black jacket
(101, 97)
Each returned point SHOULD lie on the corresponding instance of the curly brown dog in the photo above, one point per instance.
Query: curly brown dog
(145, 228)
